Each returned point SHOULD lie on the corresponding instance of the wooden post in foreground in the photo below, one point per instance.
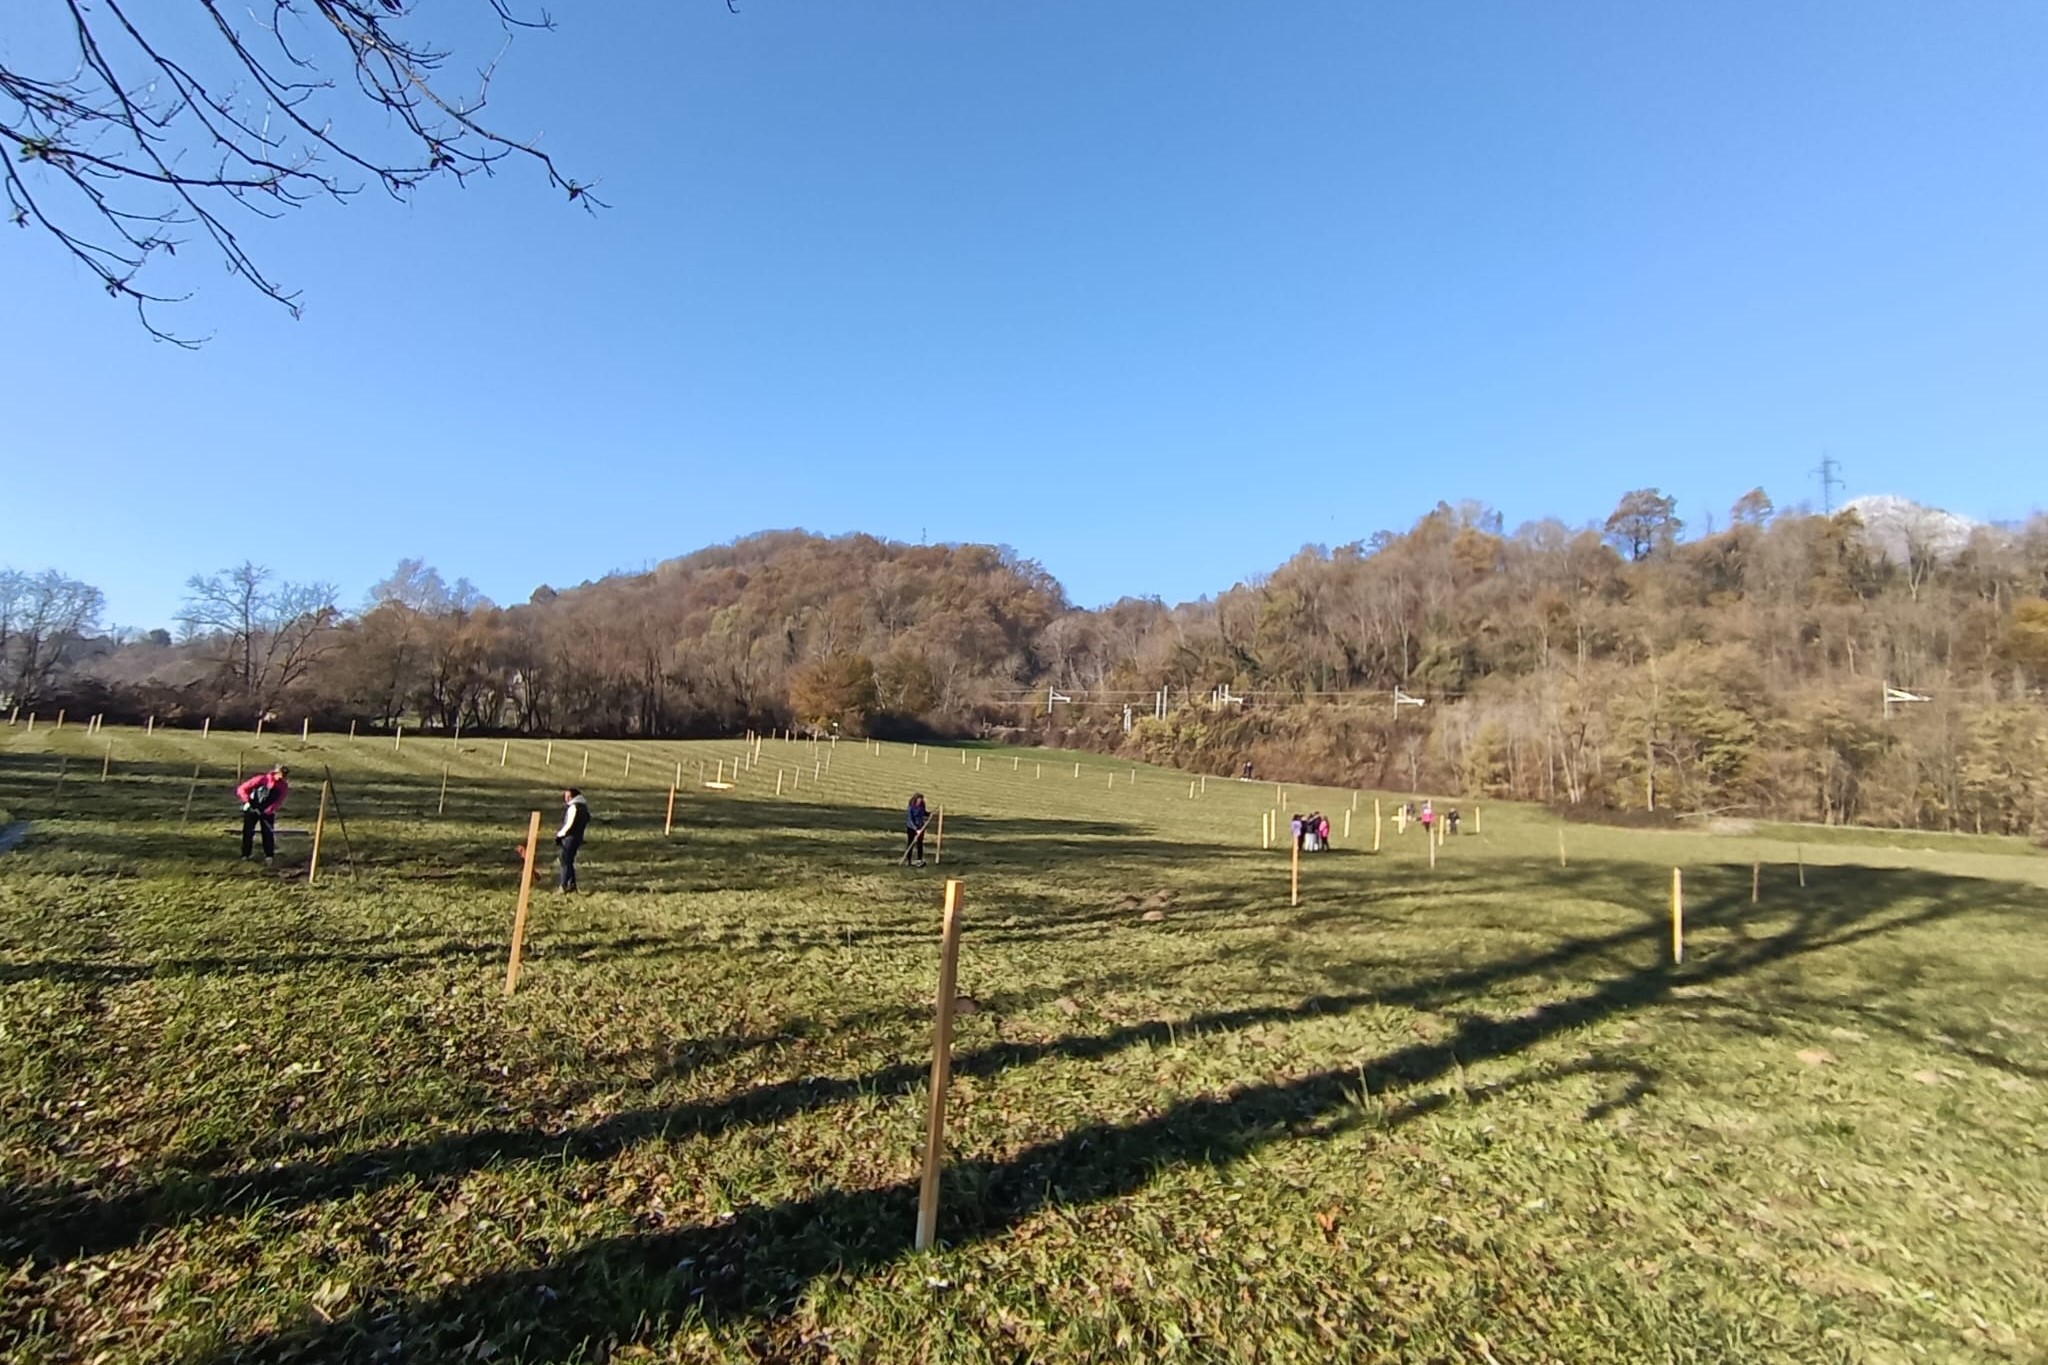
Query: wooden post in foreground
(668, 824)
(942, 1071)
(1677, 916)
(1294, 875)
(525, 898)
(319, 829)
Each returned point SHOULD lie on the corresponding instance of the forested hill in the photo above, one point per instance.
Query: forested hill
(1621, 665)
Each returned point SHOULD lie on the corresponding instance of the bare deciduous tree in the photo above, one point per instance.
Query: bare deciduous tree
(269, 636)
(42, 616)
(131, 128)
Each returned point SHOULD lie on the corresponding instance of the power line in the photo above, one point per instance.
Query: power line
(1829, 474)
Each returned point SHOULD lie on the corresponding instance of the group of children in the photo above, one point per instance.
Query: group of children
(1312, 832)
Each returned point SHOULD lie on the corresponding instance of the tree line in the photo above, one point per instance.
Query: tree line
(1618, 666)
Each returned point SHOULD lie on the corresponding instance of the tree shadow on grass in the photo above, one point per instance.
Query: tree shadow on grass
(48, 1224)
(758, 1263)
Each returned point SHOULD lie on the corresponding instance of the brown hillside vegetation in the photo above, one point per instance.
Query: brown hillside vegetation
(1623, 667)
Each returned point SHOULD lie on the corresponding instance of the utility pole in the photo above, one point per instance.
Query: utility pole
(1829, 474)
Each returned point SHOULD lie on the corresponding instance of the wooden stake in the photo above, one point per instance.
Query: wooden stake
(259, 727)
(398, 736)
(629, 767)
(106, 763)
(586, 764)
(189, 793)
(1039, 774)
(305, 730)
(351, 732)
(550, 762)
(1191, 790)
(441, 806)
(1016, 760)
(1294, 876)
(1375, 824)
(977, 763)
(669, 823)
(205, 727)
(1266, 830)
(1756, 877)
(319, 831)
(1677, 916)
(942, 1071)
(1112, 781)
(721, 770)
(939, 839)
(504, 753)
(525, 897)
(1560, 847)
(60, 718)
(149, 726)
(31, 723)
(1347, 826)
(1801, 850)
(1477, 826)
(1205, 784)
(1429, 837)
(778, 781)
(679, 775)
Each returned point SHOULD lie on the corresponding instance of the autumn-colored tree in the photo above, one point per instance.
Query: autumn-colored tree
(835, 691)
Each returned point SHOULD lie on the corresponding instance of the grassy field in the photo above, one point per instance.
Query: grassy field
(1471, 1113)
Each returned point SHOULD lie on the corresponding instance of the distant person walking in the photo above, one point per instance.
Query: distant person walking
(569, 838)
(915, 818)
(262, 796)
(1428, 817)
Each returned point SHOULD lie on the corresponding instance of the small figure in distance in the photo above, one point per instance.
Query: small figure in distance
(1451, 819)
(1247, 772)
(569, 838)
(1298, 825)
(1322, 833)
(262, 796)
(915, 818)
(1428, 816)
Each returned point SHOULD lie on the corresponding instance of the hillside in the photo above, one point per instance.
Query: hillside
(1620, 667)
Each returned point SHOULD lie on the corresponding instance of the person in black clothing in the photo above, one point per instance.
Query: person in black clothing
(569, 838)
(914, 821)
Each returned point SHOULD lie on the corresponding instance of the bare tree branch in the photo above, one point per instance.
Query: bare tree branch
(148, 135)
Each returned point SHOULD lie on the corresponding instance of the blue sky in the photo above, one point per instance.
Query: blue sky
(1155, 293)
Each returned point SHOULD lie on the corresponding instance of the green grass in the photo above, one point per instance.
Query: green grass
(1463, 1114)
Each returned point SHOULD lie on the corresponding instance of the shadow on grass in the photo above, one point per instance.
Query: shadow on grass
(758, 1263)
(55, 1224)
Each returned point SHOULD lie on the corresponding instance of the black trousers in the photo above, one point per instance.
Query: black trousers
(913, 845)
(252, 820)
(569, 846)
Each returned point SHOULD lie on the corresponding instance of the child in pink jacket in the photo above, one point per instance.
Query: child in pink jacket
(262, 796)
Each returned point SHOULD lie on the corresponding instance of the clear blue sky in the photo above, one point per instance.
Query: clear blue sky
(1154, 292)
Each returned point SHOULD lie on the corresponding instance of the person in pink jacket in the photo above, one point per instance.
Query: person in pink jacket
(262, 796)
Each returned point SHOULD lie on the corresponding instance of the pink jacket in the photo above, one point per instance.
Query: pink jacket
(280, 788)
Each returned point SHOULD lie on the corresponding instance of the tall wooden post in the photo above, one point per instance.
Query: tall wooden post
(586, 764)
(1800, 850)
(942, 1071)
(206, 727)
(106, 763)
(1560, 847)
(1756, 877)
(351, 732)
(549, 761)
(778, 781)
(1677, 915)
(1477, 827)
(629, 766)
(1375, 824)
(441, 806)
(1429, 838)
(939, 838)
(1294, 875)
(525, 898)
(504, 752)
(1347, 826)
(305, 731)
(319, 830)
(669, 822)
(189, 793)
(149, 726)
